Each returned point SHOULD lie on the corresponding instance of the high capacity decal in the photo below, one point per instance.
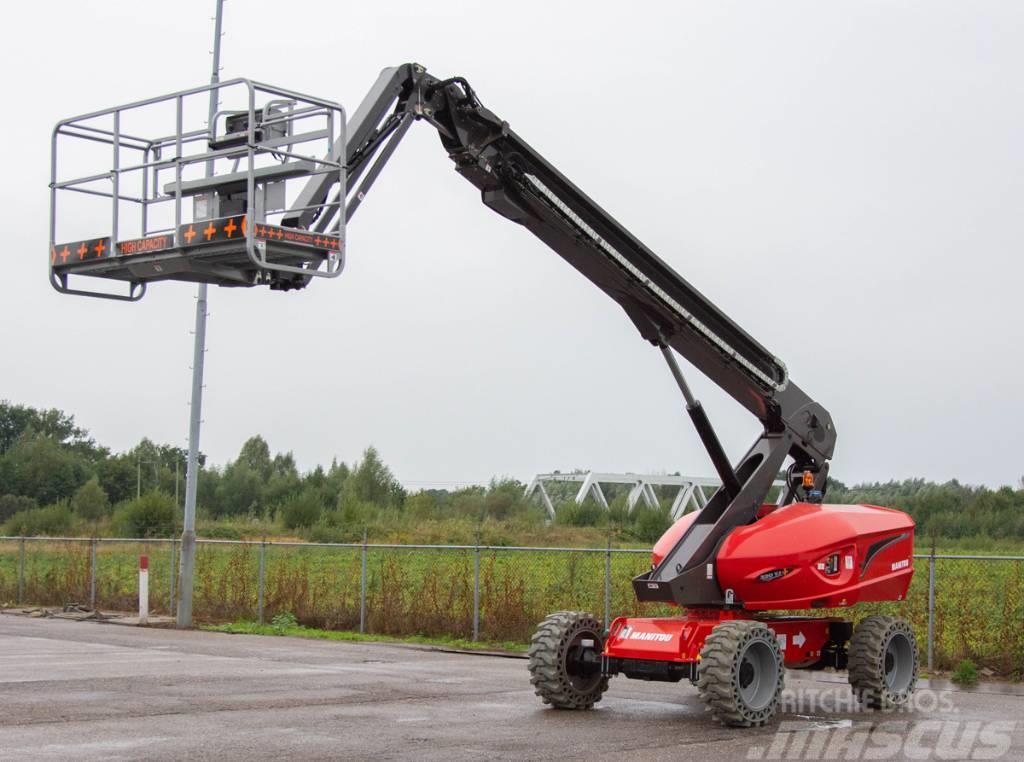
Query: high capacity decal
(236, 228)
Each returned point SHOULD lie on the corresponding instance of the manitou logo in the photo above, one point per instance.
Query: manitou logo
(628, 633)
(901, 564)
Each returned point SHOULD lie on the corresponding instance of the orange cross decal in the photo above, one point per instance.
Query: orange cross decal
(230, 228)
(98, 248)
(64, 254)
(280, 234)
(209, 230)
(82, 250)
(319, 240)
(190, 234)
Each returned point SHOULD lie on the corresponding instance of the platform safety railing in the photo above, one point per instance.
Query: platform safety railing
(153, 154)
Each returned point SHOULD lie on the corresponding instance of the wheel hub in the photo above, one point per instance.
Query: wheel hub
(582, 660)
(899, 663)
(746, 673)
(757, 675)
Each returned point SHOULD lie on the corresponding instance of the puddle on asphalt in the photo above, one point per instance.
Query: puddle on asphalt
(821, 723)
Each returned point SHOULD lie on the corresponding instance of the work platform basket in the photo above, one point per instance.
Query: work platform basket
(158, 190)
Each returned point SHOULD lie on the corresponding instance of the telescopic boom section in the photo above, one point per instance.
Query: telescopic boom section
(521, 185)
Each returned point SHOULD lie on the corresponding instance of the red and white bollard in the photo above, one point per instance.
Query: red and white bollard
(143, 589)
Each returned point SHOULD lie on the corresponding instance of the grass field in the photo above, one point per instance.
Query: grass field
(429, 592)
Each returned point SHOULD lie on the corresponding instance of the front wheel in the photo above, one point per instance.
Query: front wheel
(741, 673)
(883, 662)
(565, 660)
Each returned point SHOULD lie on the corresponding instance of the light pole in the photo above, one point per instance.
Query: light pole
(188, 534)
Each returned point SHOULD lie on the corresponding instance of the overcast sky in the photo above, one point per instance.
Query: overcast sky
(846, 180)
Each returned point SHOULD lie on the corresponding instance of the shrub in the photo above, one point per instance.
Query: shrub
(302, 510)
(90, 501)
(283, 622)
(586, 514)
(966, 674)
(12, 504)
(153, 514)
(650, 523)
(53, 521)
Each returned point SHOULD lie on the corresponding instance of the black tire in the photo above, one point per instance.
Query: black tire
(558, 671)
(883, 662)
(741, 673)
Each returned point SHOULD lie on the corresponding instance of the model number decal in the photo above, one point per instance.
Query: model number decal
(901, 564)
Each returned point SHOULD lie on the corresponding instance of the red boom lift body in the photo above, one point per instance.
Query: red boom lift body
(798, 556)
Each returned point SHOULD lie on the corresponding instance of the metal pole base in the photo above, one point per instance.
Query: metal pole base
(188, 565)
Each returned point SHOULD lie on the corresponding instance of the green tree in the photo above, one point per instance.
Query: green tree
(117, 477)
(255, 455)
(90, 501)
(15, 420)
(38, 467)
(239, 490)
(372, 482)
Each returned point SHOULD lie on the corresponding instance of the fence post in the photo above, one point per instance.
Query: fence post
(143, 589)
(931, 610)
(608, 583)
(476, 592)
(21, 571)
(261, 581)
(174, 577)
(92, 574)
(362, 588)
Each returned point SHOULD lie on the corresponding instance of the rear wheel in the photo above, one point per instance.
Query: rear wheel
(741, 673)
(565, 660)
(883, 662)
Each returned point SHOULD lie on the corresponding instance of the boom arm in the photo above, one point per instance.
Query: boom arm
(521, 185)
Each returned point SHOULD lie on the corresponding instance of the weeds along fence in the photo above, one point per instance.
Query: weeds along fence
(960, 606)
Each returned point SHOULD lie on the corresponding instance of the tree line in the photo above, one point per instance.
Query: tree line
(55, 479)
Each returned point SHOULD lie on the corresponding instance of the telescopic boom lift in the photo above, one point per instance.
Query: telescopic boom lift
(737, 556)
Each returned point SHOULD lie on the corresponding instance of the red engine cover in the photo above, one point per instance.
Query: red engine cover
(807, 555)
(819, 556)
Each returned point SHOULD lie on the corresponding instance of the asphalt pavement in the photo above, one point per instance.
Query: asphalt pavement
(86, 690)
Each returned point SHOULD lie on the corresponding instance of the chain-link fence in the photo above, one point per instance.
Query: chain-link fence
(961, 606)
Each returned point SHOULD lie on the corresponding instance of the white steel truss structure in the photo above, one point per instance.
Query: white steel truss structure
(692, 492)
